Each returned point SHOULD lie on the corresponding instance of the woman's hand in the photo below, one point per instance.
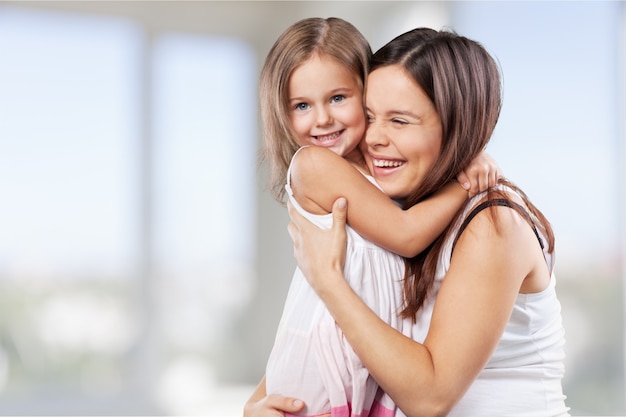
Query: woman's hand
(483, 172)
(272, 406)
(262, 405)
(319, 252)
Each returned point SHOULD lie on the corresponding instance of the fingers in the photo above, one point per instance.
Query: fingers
(463, 179)
(340, 212)
(493, 178)
(295, 216)
(291, 210)
(481, 183)
(273, 406)
(285, 404)
(474, 180)
(481, 174)
(477, 179)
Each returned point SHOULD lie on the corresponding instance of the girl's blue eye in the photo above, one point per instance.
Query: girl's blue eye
(337, 99)
(302, 106)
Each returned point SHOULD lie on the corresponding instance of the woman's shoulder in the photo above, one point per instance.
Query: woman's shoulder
(498, 213)
(499, 196)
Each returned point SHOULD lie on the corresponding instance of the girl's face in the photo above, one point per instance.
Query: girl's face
(326, 105)
(404, 134)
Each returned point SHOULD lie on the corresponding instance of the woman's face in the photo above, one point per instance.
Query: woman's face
(404, 133)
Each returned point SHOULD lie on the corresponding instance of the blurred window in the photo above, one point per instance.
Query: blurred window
(126, 241)
(558, 137)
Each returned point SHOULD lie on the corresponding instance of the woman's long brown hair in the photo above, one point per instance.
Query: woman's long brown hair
(463, 81)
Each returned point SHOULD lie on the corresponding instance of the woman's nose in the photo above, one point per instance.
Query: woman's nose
(375, 135)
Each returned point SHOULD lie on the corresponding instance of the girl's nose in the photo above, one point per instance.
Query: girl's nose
(324, 117)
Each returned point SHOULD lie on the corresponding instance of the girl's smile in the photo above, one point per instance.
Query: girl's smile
(326, 103)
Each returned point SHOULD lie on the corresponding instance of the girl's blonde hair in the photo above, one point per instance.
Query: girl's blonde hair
(331, 37)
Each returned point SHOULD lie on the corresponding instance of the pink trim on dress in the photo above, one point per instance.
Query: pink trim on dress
(378, 410)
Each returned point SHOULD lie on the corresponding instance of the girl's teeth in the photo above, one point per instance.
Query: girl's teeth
(328, 137)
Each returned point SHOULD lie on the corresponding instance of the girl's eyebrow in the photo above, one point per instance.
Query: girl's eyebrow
(339, 89)
(333, 92)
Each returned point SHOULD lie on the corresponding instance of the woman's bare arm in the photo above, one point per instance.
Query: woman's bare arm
(473, 306)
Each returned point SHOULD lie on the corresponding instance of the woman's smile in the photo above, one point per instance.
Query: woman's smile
(404, 133)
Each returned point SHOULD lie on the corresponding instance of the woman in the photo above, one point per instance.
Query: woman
(494, 340)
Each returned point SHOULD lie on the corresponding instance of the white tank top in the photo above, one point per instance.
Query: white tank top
(523, 376)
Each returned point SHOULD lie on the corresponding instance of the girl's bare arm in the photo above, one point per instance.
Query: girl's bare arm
(319, 177)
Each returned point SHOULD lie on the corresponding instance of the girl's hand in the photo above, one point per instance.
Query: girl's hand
(483, 172)
(319, 253)
(272, 406)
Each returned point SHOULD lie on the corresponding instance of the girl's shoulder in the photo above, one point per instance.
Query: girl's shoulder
(314, 161)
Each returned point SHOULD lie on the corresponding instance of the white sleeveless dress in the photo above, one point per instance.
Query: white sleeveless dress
(311, 359)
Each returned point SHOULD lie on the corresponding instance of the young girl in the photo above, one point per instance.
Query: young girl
(311, 91)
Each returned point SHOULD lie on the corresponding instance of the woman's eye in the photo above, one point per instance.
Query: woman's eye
(337, 99)
(369, 119)
(399, 121)
(301, 106)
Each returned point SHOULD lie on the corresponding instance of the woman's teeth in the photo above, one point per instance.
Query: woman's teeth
(386, 163)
